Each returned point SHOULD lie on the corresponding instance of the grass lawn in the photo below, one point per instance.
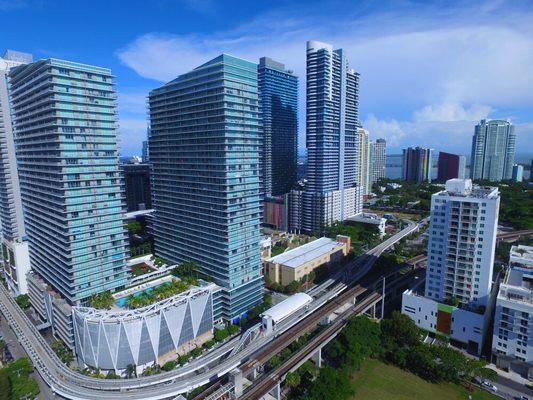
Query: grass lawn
(379, 381)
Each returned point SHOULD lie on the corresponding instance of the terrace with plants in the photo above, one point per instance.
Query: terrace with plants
(176, 281)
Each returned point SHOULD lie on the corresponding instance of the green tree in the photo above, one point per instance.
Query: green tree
(64, 354)
(134, 227)
(23, 300)
(104, 300)
(221, 334)
(360, 339)
(477, 368)
(331, 384)
(169, 365)
(399, 331)
(112, 375)
(5, 385)
(293, 379)
(131, 371)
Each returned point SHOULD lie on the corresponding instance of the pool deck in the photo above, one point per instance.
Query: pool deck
(141, 287)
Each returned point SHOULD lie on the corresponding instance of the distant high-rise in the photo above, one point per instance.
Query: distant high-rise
(137, 186)
(462, 240)
(278, 95)
(205, 146)
(145, 157)
(332, 192)
(493, 150)
(450, 166)
(380, 160)
(417, 164)
(15, 253)
(64, 120)
(365, 160)
(518, 173)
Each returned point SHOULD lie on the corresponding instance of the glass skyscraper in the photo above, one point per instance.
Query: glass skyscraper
(417, 164)
(278, 94)
(15, 253)
(65, 129)
(333, 192)
(205, 146)
(493, 150)
(380, 160)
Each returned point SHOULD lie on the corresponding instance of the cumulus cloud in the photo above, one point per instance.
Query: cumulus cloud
(390, 130)
(131, 134)
(445, 112)
(425, 66)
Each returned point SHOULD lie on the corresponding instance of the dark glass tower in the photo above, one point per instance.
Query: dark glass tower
(278, 95)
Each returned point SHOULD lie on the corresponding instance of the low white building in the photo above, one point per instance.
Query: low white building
(16, 263)
(274, 315)
(372, 219)
(512, 341)
(464, 326)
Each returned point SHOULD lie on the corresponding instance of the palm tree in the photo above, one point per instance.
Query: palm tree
(131, 370)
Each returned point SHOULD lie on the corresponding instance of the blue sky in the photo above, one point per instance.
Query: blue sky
(429, 70)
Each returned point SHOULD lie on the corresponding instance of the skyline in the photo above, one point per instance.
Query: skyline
(419, 84)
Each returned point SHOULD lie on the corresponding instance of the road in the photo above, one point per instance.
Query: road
(511, 389)
(18, 352)
(73, 385)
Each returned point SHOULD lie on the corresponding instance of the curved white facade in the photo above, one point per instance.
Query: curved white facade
(113, 339)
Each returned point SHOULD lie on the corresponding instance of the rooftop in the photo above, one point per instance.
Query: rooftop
(521, 255)
(291, 304)
(308, 252)
(517, 287)
(464, 188)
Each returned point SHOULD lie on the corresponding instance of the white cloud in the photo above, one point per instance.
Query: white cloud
(446, 112)
(424, 67)
(390, 130)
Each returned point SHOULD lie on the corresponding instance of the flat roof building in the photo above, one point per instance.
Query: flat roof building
(294, 264)
(512, 341)
(274, 315)
(204, 147)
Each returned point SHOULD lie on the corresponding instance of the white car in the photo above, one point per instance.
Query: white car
(490, 386)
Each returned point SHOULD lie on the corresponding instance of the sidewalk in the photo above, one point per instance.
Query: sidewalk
(513, 376)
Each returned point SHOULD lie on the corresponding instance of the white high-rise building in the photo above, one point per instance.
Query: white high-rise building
(458, 286)
(462, 240)
(380, 160)
(15, 253)
(333, 192)
(364, 164)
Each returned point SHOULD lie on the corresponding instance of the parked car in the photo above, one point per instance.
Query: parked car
(490, 386)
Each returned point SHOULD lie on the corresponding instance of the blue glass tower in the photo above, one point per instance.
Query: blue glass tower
(205, 143)
(278, 94)
(65, 128)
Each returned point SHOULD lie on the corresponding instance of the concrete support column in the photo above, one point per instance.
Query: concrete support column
(373, 311)
(276, 391)
(317, 357)
(237, 379)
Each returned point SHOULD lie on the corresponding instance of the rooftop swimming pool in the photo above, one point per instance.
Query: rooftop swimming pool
(121, 298)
